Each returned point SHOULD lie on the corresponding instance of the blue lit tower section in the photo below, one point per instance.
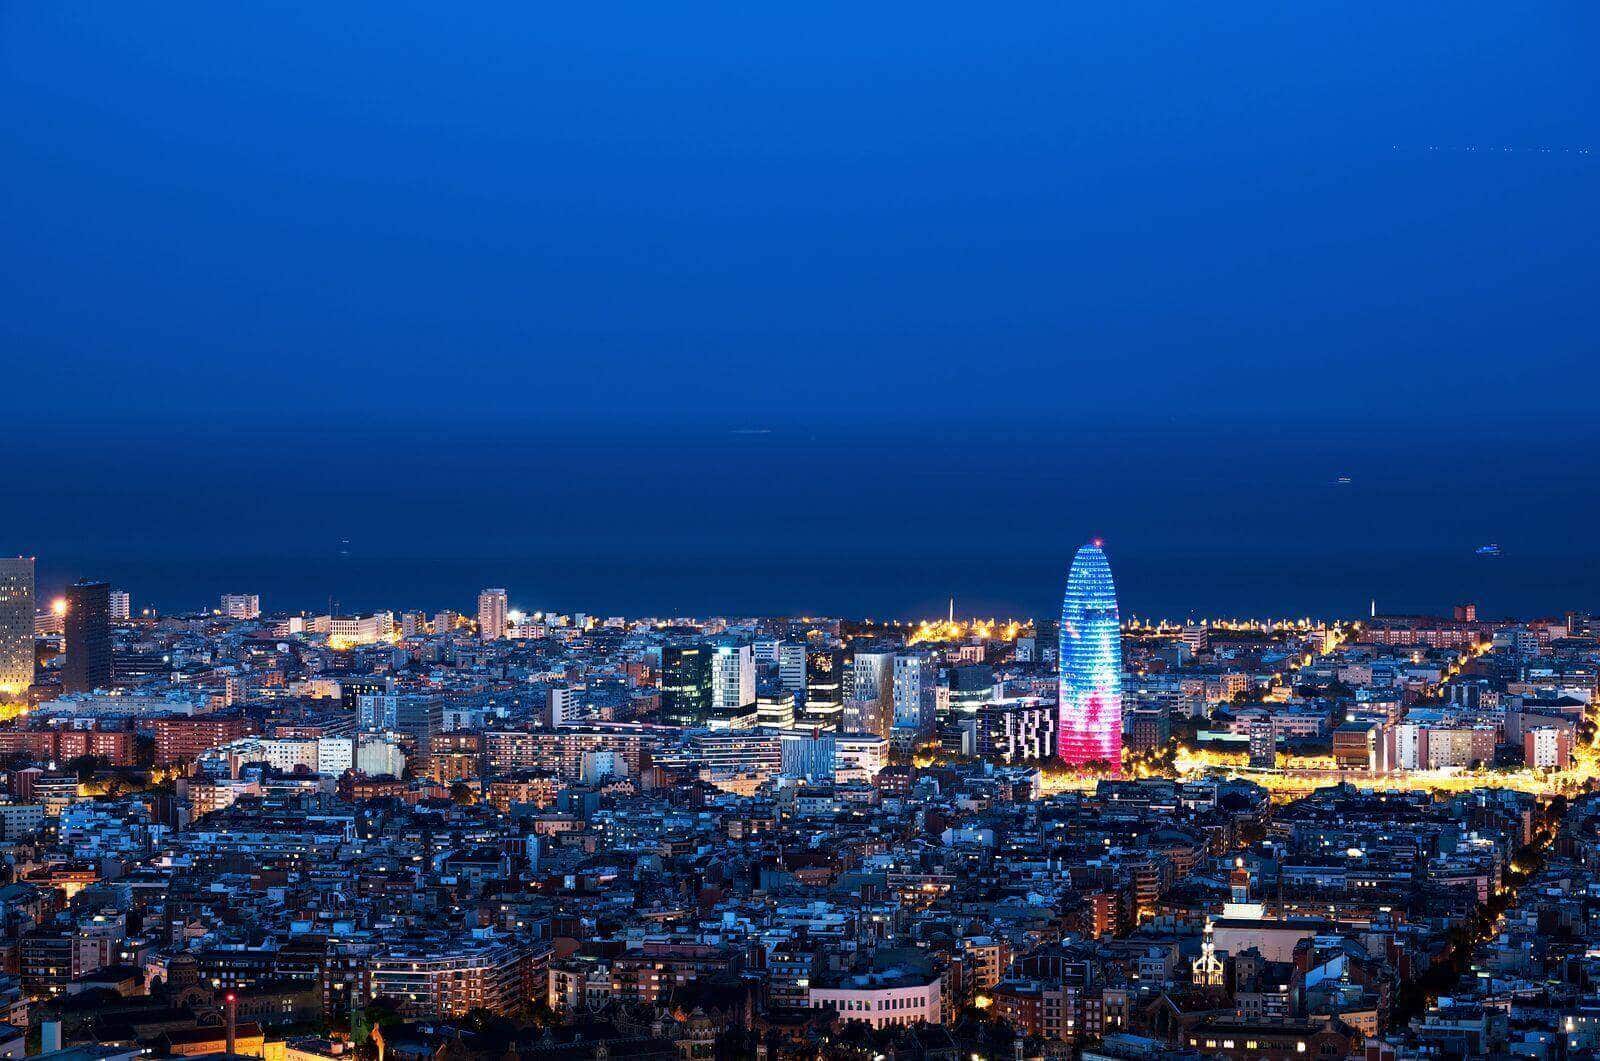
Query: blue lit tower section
(1091, 664)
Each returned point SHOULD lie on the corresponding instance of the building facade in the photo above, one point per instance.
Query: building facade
(16, 625)
(1090, 729)
(87, 666)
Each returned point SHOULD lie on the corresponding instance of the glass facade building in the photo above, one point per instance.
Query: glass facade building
(16, 625)
(1091, 664)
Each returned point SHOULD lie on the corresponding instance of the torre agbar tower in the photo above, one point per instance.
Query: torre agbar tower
(1091, 664)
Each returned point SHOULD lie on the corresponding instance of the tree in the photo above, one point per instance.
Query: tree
(86, 766)
(379, 1013)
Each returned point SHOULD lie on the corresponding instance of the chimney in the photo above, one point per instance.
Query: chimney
(231, 1017)
(49, 1037)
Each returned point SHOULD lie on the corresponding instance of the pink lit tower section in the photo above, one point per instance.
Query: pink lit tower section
(1090, 729)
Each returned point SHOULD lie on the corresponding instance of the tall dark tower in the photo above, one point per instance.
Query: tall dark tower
(88, 628)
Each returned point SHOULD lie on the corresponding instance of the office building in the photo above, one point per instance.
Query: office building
(792, 668)
(966, 690)
(809, 756)
(492, 614)
(733, 677)
(685, 684)
(823, 703)
(775, 708)
(869, 708)
(16, 625)
(240, 606)
(87, 626)
(916, 683)
(1090, 664)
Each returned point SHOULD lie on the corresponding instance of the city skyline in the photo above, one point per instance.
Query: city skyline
(823, 532)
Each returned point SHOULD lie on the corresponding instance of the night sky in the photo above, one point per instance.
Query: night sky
(567, 292)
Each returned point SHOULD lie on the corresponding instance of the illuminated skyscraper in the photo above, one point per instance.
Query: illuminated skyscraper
(88, 638)
(733, 676)
(492, 614)
(16, 625)
(1091, 664)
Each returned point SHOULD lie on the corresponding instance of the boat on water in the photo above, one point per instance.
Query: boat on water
(1489, 550)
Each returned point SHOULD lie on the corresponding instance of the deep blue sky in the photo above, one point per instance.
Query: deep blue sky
(502, 281)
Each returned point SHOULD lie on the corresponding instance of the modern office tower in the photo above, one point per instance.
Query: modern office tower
(240, 606)
(809, 756)
(16, 625)
(492, 614)
(792, 668)
(775, 708)
(88, 630)
(916, 682)
(869, 707)
(1091, 664)
(733, 676)
(685, 684)
(420, 717)
(968, 688)
(824, 692)
(121, 606)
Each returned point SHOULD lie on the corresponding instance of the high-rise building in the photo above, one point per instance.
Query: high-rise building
(88, 631)
(240, 606)
(824, 692)
(968, 689)
(869, 707)
(121, 606)
(16, 625)
(792, 668)
(733, 676)
(492, 614)
(685, 684)
(916, 681)
(1091, 664)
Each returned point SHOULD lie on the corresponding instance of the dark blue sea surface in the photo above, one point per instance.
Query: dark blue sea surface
(1157, 586)
(1214, 518)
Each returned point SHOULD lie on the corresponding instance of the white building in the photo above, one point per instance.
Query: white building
(1411, 746)
(121, 606)
(916, 680)
(379, 757)
(733, 677)
(324, 756)
(240, 606)
(883, 1000)
(344, 632)
(492, 614)
(859, 756)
